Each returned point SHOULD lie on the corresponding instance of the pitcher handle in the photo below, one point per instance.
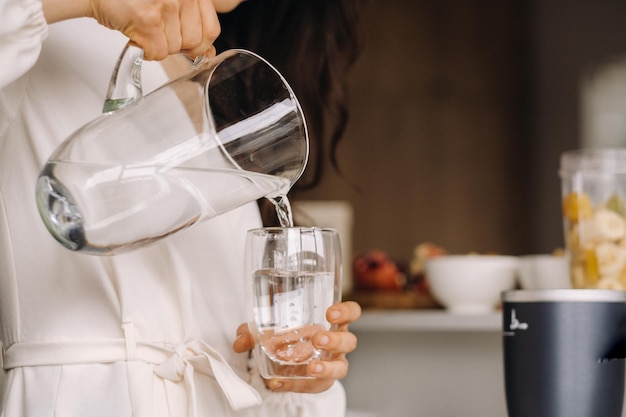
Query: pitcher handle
(125, 86)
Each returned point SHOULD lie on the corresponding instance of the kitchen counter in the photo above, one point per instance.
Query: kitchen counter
(426, 321)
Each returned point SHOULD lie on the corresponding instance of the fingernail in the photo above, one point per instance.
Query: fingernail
(334, 314)
(324, 339)
(318, 368)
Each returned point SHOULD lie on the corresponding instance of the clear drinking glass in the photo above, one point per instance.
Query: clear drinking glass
(228, 132)
(594, 215)
(294, 275)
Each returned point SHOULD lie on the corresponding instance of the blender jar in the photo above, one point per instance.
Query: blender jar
(593, 202)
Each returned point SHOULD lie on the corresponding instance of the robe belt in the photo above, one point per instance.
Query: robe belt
(176, 363)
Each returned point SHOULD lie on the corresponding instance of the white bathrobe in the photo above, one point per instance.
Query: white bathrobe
(147, 333)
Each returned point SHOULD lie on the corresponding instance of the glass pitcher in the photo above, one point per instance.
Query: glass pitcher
(228, 132)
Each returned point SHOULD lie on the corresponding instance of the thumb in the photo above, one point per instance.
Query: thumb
(244, 341)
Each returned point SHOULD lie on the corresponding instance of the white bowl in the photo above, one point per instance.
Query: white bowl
(471, 284)
(544, 272)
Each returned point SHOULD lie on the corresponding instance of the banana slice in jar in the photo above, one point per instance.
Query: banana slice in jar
(577, 206)
(604, 226)
(596, 239)
(610, 284)
(611, 259)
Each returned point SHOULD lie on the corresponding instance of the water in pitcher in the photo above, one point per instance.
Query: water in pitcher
(126, 206)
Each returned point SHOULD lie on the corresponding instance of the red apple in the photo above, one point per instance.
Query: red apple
(375, 271)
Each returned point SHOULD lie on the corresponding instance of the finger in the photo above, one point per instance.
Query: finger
(224, 6)
(146, 29)
(343, 313)
(191, 23)
(155, 47)
(210, 23)
(171, 25)
(310, 386)
(336, 342)
(210, 29)
(335, 369)
(244, 341)
(211, 52)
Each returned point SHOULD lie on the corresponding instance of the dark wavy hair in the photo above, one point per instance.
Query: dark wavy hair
(313, 43)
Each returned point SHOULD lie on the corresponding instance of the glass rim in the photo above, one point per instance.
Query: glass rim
(592, 159)
(298, 107)
(279, 229)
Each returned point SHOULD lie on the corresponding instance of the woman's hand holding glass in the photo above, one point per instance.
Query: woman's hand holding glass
(339, 343)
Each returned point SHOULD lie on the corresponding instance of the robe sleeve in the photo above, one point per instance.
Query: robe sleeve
(23, 29)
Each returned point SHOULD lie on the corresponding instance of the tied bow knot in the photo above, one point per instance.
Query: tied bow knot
(173, 369)
(198, 356)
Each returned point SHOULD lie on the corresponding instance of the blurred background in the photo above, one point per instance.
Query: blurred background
(459, 112)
